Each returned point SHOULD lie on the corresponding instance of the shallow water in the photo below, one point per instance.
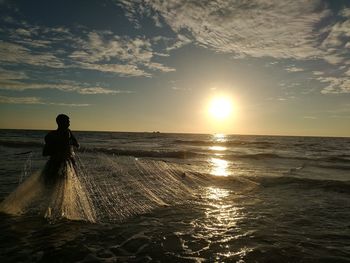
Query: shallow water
(256, 199)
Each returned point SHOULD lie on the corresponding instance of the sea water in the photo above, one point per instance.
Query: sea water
(144, 197)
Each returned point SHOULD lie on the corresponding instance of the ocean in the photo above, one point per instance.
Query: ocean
(158, 197)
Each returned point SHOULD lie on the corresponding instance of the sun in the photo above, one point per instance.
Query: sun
(220, 108)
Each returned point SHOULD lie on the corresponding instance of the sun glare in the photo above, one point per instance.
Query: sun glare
(220, 108)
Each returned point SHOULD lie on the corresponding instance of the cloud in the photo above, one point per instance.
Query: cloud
(159, 66)
(15, 81)
(99, 90)
(300, 30)
(20, 100)
(8, 75)
(92, 50)
(106, 52)
(294, 69)
(68, 104)
(11, 53)
(20, 86)
(120, 69)
(170, 43)
(23, 32)
(335, 85)
(290, 30)
(278, 98)
(180, 42)
(99, 48)
(156, 20)
(180, 89)
(36, 100)
(254, 28)
(317, 72)
(337, 42)
(132, 11)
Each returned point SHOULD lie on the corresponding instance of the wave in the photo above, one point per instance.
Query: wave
(332, 166)
(257, 156)
(329, 159)
(21, 144)
(336, 158)
(181, 154)
(341, 161)
(305, 183)
(224, 143)
(143, 153)
(184, 154)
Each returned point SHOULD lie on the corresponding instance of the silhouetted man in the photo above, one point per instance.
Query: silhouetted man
(59, 146)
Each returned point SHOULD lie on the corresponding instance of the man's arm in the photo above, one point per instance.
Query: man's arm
(47, 150)
(74, 140)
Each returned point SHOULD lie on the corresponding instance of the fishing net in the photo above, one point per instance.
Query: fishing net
(100, 188)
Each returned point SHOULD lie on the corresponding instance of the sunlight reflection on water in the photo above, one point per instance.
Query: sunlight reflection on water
(241, 253)
(219, 167)
(219, 137)
(217, 148)
(221, 212)
(220, 225)
(216, 193)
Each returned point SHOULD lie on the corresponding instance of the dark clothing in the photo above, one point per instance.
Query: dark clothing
(59, 146)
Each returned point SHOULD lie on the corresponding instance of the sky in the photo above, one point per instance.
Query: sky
(148, 66)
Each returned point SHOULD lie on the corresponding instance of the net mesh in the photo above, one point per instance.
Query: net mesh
(102, 188)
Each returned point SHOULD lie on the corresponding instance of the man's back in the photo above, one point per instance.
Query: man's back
(59, 144)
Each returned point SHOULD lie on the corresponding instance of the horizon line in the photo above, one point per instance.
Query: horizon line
(167, 132)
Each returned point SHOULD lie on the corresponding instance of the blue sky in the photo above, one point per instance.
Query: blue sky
(155, 65)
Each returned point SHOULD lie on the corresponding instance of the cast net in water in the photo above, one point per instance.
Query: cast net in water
(102, 188)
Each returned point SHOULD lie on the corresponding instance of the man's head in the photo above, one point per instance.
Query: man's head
(62, 121)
